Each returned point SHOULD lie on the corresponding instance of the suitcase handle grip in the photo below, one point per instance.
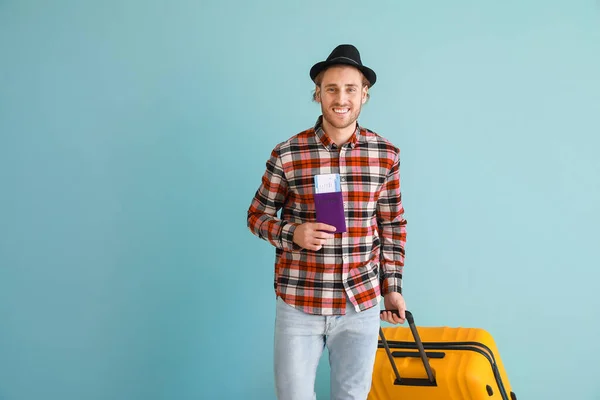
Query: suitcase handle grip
(408, 314)
(430, 381)
(409, 317)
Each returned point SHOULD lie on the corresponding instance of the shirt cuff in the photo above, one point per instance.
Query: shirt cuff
(287, 237)
(391, 282)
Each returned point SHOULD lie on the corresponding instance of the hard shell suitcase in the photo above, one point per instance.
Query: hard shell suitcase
(438, 363)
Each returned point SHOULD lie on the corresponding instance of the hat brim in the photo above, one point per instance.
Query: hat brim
(323, 65)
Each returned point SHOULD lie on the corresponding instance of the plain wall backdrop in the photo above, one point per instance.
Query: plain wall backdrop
(133, 136)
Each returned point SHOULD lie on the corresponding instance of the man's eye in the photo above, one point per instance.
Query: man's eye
(331, 90)
(352, 90)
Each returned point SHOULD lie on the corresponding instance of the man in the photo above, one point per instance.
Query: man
(328, 285)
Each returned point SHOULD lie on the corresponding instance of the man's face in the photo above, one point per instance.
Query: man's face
(341, 95)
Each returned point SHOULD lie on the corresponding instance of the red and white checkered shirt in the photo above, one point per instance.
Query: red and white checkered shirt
(361, 264)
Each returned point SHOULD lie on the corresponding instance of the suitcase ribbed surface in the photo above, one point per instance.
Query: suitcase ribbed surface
(460, 375)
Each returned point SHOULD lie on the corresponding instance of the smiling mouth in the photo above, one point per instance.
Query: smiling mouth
(341, 111)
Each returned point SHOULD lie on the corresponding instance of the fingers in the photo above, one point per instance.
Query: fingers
(317, 238)
(320, 232)
(317, 244)
(323, 235)
(324, 227)
(312, 236)
(392, 317)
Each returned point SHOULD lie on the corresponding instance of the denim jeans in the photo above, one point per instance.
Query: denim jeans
(300, 339)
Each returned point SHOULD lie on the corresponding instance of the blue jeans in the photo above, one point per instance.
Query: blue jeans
(300, 339)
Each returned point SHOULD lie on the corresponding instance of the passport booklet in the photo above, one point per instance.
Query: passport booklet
(329, 201)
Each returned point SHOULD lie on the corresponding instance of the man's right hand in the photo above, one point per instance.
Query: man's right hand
(313, 235)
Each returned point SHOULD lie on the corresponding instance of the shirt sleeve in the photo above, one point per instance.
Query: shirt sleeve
(268, 200)
(392, 231)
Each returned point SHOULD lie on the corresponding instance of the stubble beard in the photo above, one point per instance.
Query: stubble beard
(330, 117)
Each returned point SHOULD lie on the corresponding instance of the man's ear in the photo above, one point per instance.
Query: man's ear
(365, 91)
(317, 94)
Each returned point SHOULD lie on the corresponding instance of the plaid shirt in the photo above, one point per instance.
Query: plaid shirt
(361, 264)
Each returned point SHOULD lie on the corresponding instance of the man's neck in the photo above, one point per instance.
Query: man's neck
(339, 136)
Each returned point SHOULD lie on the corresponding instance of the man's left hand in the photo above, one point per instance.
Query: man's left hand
(394, 301)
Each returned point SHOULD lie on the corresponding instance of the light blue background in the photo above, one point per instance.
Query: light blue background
(133, 136)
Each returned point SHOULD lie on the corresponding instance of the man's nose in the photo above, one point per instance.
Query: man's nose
(341, 97)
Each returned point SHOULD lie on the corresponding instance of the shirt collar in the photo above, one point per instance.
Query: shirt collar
(357, 137)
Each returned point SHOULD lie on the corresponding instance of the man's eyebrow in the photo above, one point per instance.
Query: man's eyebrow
(347, 85)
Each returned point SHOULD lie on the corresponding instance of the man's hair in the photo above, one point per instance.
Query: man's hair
(319, 80)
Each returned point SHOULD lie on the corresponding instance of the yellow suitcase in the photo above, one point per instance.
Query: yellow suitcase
(438, 363)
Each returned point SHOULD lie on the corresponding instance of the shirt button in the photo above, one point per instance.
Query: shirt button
(343, 179)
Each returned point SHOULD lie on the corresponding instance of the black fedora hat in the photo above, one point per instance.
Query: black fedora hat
(345, 54)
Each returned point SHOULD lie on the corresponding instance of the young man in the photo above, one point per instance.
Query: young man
(329, 279)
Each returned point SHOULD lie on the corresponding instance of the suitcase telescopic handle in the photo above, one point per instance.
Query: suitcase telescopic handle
(430, 381)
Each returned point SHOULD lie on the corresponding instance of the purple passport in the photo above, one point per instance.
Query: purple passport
(330, 210)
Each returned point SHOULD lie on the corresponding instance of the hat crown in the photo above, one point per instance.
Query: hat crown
(345, 51)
